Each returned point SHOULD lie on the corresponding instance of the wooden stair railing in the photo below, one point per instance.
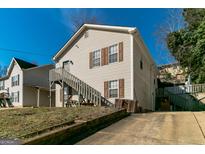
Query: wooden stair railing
(105, 102)
(83, 89)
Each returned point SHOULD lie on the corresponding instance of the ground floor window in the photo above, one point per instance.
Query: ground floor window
(113, 88)
(15, 96)
(1, 85)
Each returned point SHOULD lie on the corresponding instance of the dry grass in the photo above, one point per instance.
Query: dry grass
(15, 123)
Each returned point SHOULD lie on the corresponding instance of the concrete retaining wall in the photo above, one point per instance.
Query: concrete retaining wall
(76, 132)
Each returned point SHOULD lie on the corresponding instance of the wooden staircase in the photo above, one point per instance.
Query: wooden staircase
(88, 93)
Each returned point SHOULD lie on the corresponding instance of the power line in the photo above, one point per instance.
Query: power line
(24, 52)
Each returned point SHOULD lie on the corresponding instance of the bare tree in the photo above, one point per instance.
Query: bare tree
(173, 22)
(82, 16)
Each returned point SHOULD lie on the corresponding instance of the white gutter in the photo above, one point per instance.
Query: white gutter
(129, 30)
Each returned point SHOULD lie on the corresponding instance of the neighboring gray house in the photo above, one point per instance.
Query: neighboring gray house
(101, 61)
(26, 83)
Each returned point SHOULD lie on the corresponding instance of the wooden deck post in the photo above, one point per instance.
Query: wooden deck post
(50, 94)
(38, 96)
(63, 99)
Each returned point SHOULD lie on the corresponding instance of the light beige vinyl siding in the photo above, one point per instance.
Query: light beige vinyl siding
(36, 77)
(95, 77)
(33, 77)
(16, 70)
(139, 84)
(144, 88)
(31, 96)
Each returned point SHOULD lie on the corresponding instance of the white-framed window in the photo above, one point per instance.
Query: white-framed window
(113, 88)
(15, 80)
(96, 58)
(15, 96)
(2, 85)
(113, 53)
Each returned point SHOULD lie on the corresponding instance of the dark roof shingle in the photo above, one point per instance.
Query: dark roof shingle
(24, 64)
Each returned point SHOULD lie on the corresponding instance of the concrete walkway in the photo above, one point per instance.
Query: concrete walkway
(153, 128)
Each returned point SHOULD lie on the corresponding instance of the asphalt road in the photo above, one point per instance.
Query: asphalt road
(153, 128)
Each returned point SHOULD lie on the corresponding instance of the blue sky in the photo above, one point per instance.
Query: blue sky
(37, 34)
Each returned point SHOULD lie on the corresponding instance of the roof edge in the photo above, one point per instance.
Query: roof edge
(9, 69)
(129, 30)
(41, 66)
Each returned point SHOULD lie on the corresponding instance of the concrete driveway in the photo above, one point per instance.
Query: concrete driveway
(153, 128)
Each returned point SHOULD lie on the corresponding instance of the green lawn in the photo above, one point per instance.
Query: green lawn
(16, 123)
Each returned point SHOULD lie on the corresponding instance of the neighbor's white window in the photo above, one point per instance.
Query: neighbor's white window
(113, 88)
(2, 85)
(96, 58)
(15, 96)
(113, 53)
(15, 80)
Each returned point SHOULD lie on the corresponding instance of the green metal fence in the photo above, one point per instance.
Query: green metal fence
(181, 101)
(184, 89)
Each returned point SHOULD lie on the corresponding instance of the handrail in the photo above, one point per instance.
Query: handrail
(185, 89)
(184, 100)
(105, 102)
(80, 86)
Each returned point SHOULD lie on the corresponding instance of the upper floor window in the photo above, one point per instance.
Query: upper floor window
(113, 53)
(2, 85)
(96, 58)
(15, 96)
(15, 80)
(113, 88)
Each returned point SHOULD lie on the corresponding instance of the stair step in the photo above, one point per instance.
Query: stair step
(88, 92)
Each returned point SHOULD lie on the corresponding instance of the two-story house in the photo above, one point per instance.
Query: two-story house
(112, 60)
(26, 83)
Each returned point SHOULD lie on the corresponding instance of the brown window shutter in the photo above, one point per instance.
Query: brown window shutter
(102, 56)
(61, 94)
(121, 88)
(106, 56)
(121, 51)
(90, 60)
(106, 89)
